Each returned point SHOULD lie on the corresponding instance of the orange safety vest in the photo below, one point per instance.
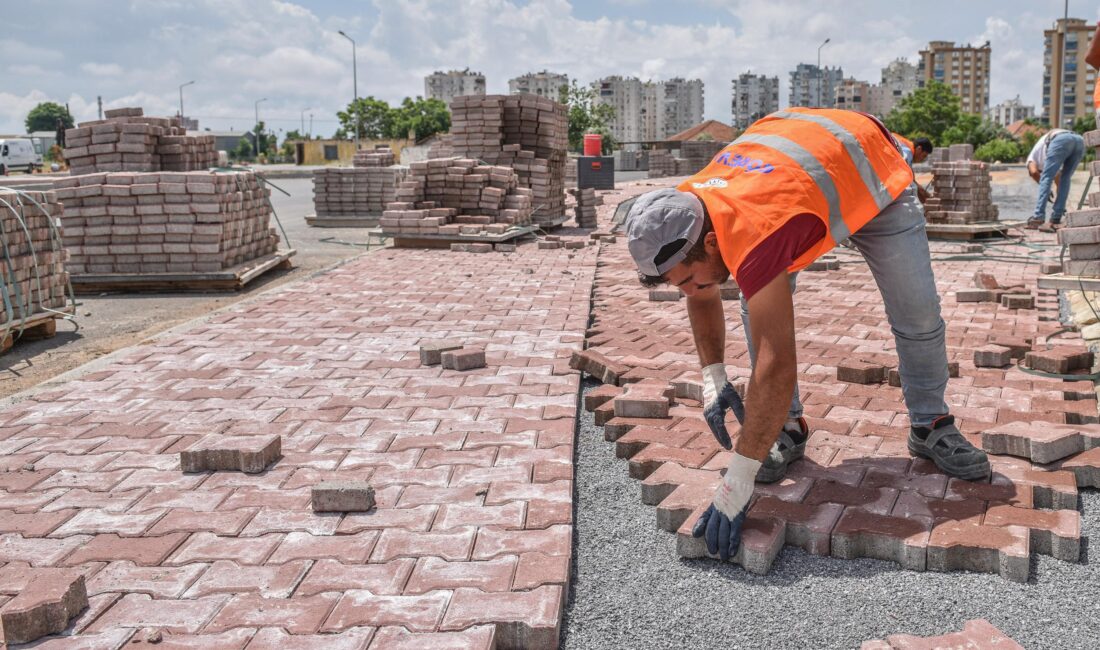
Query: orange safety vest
(904, 141)
(840, 166)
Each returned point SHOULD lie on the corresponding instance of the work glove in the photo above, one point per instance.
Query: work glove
(722, 521)
(718, 397)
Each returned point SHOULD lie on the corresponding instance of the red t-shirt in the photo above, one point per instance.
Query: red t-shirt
(776, 253)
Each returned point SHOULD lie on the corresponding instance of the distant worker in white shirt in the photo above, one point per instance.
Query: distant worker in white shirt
(1053, 160)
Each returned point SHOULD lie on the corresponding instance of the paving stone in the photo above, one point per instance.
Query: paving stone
(597, 365)
(976, 635)
(644, 400)
(464, 359)
(761, 541)
(860, 372)
(1085, 467)
(970, 546)
(992, 356)
(1018, 301)
(524, 619)
(248, 454)
(342, 496)
(51, 598)
(859, 533)
(1040, 442)
(431, 354)
(1059, 360)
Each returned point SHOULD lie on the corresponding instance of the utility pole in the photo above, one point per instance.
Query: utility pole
(355, 89)
(311, 126)
(181, 97)
(820, 72)
(303, 120)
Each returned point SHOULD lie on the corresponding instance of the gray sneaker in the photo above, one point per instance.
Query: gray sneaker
(784, 452)
(944, 445)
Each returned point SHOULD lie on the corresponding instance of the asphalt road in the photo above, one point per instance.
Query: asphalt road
(109, 322)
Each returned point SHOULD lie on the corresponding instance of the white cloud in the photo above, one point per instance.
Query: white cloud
(102, 69)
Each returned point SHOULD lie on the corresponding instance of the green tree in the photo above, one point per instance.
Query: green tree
(265, 142)
(930, 110)
(1084, 123)
(374, 117)
(999, 150)
(970, 129)
(287, 149)
(44, 117)
(587, 115)
(243, 150)
(424, 117)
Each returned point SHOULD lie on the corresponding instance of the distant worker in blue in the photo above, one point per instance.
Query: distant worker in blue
(1053, 160)
(915, 152)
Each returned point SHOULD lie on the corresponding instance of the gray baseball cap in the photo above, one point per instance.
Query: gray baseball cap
(658, 219)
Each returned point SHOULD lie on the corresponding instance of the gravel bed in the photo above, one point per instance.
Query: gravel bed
(631, 590)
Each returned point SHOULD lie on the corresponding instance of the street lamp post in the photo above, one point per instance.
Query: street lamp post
(354, 88)
(820, 72)
(181, 96)
(303, 120)
(310, 132)
(256, 128)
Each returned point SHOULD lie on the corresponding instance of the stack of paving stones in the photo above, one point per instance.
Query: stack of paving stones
(33, 264)
(697, 154)
(961, 193)
(571, 171)
(585, 210)
(166, 222)
(1081, 231)
(525, 132)
(858, 492)
(442, 146)
(989, 289)
(662, 164)
(952, 153)
(361, 190)
(457, 196)
(127, 141)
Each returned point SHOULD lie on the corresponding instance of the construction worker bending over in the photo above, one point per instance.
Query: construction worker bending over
(786, 192)
(1053, 160)
(915, 152)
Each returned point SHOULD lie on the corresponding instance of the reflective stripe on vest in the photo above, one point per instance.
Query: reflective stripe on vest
(812, 166)
(855, 152)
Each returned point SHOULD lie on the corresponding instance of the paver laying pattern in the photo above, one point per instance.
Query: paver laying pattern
(473, 470)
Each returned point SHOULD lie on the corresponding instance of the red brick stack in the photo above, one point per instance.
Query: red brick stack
(166, 222)
(962, 194)
(528, 133)
(363, 189)
(457, 196)
(32, 268)
(697, 154)
(127, 141)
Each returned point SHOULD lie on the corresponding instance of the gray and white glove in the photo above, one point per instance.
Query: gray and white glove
(721, 522)
(718, 397)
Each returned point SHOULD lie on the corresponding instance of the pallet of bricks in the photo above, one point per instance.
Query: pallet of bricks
(662, 163)
(585, 209)
(961, 190)
(525, 132)
(360, 191)
(165, 222)
(1081, 232)
(127, 141)
(459, 198)
(33, 277)
(697, 154)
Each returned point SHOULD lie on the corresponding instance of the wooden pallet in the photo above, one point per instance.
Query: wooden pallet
(231, 279)
(405, 240)
(42, 325)
(1071, 282)
(970, 231)
(353, 221)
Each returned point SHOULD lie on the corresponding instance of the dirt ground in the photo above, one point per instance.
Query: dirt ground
(109, 322)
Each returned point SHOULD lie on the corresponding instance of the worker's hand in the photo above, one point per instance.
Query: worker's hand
(721, 522)
(1033, 172)
(718, 397)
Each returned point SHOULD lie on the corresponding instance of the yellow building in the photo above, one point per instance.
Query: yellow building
(337, 152)
(1074, 78)
(964, 69)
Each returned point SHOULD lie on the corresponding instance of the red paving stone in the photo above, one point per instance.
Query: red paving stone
(975, 635)
(858, 493)
(469, 544)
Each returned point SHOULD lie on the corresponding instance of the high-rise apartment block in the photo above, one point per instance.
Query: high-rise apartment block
(445, 86)
(1067, 88)
(899, 80)
(1010, 111)
(814, 86)
(754, 96)
(852, 94)
(543, 84)
(964, 69)
(647, 111)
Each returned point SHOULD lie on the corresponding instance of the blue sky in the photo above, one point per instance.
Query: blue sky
(137, 52)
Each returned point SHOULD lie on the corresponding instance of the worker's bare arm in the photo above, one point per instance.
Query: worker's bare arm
(708, 325)
(1034, 172)
(922, 194)
(1093, 56)
(771, 317)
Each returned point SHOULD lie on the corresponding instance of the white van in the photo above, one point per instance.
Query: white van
(18, 154)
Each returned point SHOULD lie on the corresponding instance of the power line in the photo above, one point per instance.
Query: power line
(269, 119)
